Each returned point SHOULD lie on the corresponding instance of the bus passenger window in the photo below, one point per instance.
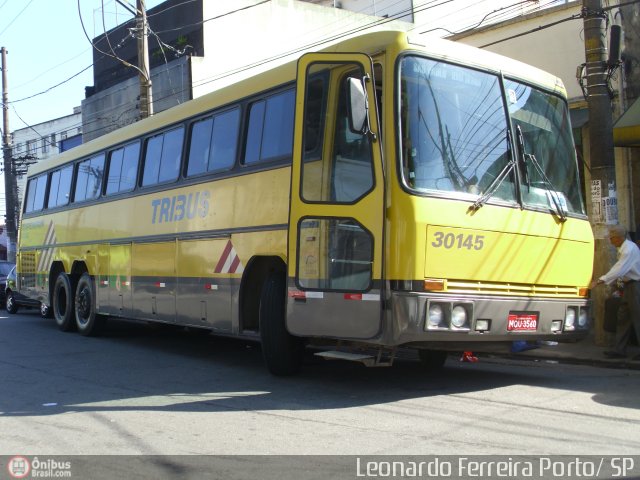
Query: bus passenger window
(270, 133)
(60, 187)
(123, 169)
(214, 143)
(89, 179)
(162, 157)
(35, 193)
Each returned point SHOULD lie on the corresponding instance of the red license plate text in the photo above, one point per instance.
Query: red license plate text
(517, 322)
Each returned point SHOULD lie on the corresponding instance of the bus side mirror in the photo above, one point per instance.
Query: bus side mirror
(358, 106)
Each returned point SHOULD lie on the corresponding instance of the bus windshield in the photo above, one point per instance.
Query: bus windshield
(455, 137)
(548, 165)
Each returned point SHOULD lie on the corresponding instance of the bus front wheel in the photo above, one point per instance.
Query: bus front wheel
(88, 322)
(63, 303)
(282, 352)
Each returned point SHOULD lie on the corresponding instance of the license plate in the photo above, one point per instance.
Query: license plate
(522, 321)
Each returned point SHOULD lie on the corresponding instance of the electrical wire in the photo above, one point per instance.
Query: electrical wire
(124, 62)
(16, 17)
(426, 6)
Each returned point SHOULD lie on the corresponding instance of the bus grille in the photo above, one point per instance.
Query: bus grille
(517, 289)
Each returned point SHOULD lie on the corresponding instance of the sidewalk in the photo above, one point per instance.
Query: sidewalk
(584, 352)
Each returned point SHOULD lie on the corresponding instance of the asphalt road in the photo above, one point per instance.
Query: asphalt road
(141, 390)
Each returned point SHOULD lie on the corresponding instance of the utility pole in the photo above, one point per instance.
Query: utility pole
(9, 179)
(604, 209)
(146, 97)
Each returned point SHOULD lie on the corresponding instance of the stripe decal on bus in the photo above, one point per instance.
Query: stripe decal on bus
(229, 261)
(47, 253)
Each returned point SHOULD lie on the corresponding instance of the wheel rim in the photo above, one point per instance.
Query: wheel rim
(9, 302)
(44, 310)
(83, 305)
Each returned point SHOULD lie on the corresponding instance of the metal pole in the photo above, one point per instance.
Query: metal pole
(604, 209)
(9, 180)
(146, 97)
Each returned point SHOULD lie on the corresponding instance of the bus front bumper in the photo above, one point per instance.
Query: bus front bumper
(454, 321)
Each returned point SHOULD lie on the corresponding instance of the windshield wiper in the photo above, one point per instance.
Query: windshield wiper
(493, 187)
(531, 158)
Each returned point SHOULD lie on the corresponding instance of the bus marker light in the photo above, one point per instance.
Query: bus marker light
(433, 284)
(160, 284)
(297, 294)
(353, 296)
(583, 292)
(105, 283)
(209, 286)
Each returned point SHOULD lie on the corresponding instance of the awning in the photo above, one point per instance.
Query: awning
(626, 130)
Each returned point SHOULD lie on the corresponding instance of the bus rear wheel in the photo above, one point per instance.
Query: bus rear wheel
(88, 322)
(282, 352)
(63, 303)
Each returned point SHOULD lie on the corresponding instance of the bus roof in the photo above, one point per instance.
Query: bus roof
(283, 70)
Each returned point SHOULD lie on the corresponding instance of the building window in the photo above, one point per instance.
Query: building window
(45, 145)
(31, 147)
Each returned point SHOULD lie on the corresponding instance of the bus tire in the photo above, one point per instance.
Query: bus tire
(432, 360)
(10, 304)
(63, 303)
(88, 322)
(282, 352)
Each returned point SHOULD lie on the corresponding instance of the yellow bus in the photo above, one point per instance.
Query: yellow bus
(380, 194)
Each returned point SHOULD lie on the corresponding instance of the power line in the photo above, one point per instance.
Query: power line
(54, 86)
(16, 17)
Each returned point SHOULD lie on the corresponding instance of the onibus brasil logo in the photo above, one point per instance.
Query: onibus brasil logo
(19, 467)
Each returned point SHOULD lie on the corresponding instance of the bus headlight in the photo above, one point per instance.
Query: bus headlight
(435, 315)
(458, 316)
(570, 318)
(583, 318)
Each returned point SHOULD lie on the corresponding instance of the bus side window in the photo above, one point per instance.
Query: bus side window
(162, 157)
(270, 132)
(89, 179)
(213, 143)
(60, 187)
(123, 169)
(36, 189)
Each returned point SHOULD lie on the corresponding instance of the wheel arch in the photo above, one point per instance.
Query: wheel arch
(253, 278)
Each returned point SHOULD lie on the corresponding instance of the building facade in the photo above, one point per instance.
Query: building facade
(196, 47)
(39, 142)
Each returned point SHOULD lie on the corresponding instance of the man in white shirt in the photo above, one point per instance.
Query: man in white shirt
(627, 270)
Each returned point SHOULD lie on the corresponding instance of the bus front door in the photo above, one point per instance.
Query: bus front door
(337, 201)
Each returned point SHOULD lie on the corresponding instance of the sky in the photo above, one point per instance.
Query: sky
(46, 46)
(49, 56)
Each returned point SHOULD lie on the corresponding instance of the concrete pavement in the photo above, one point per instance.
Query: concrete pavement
(584, 352)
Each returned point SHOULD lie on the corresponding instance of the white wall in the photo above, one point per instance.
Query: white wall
(558, 49)
(267, 31)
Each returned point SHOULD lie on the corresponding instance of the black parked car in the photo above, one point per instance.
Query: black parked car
(14, 299)
(5, 269)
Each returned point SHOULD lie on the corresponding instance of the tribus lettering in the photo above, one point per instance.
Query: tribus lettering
(180, 207)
